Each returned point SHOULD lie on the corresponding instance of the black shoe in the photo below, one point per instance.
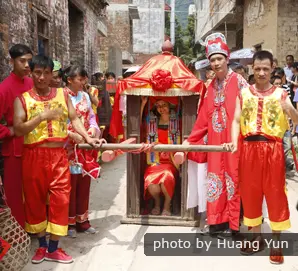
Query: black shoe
(209, 231)
(227, 234)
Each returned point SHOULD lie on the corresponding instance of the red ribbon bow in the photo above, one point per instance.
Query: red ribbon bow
(161, 80)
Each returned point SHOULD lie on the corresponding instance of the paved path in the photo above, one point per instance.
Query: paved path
(118, 247)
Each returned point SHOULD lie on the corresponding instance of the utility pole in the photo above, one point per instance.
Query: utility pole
(173, 22)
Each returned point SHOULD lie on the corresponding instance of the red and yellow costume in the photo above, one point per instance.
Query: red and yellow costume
(161, 168)
(45, 170)
(261, 160)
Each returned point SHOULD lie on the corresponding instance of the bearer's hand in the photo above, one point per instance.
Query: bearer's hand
(230, 147)
(94, 142)
(51, 114)
(11, 130)
(179, 158)
(185, 143)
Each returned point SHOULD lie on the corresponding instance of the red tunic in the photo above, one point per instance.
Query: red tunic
(12, 87)
(215, 119)
(12, 148)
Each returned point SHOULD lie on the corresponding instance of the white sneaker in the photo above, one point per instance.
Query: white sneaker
(91, 230)
(72, 233)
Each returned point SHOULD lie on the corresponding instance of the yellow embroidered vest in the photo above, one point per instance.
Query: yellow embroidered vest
(263, 115)
(46, 131)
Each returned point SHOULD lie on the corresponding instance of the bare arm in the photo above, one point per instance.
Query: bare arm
(290, 110)
(21, 126)
(144, 100)
(295, 125)
(294, 83)
(236, 125)
(94, 100)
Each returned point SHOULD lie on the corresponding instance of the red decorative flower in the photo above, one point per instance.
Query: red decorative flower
(161, 80)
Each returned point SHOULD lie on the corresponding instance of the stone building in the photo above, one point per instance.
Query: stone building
(149, 31)
(135, 33)
(116, 49)
(66, 30)
(220, 16)
(259, 24)
(272, 24)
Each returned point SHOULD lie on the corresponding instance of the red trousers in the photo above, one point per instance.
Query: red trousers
(262, 173)
(46, 173)
(13, 187)
(79, 202)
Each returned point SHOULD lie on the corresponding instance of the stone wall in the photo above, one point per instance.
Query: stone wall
(149, 30)
(274, 25)
(118, 39)
(19, 24)
(140, 59)
(287, 41)
(260, 24)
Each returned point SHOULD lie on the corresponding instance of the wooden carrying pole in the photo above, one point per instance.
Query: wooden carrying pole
(158, 148)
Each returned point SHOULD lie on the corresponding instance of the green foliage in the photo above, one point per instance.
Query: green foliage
(185, 45)
(182, 7)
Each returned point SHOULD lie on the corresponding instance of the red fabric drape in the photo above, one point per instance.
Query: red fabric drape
(182, 77)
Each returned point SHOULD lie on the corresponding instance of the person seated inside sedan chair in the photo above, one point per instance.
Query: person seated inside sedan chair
(162, 125)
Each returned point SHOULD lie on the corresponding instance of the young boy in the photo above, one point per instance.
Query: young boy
(56, 81)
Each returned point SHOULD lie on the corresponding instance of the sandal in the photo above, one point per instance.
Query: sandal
(155, 211)
(166, 213)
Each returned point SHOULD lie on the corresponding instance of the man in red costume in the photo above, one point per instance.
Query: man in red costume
(261, 118)
(215, 118)
(41, 115)
(14, 85)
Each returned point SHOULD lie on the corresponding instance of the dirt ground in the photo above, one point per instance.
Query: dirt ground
(120, 247)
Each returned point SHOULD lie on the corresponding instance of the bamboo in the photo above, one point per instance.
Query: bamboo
(158, 148)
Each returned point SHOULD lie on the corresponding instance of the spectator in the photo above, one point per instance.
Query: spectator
(288, 68)
(240, 69)
(56, 81)
(110, 76)
(251, 79)
(97, 77)
(294, 79)
(279, 72)
(276, 81)
(210, 74)
(275, 63)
